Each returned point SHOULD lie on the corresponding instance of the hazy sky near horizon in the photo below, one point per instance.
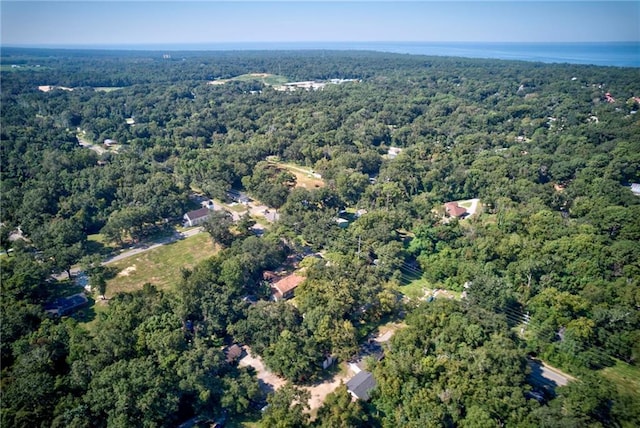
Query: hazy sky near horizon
(169, 22)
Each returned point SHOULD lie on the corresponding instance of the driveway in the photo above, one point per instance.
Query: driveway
(474, 206)
(84, 143)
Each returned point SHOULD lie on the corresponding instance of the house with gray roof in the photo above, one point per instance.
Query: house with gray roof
(361, 385)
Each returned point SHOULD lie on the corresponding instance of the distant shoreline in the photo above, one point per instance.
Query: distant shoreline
(620, 54)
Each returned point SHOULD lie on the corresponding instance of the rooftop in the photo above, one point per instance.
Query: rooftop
(454, 210)
(202, 212)
(361, 384)
(287, 284)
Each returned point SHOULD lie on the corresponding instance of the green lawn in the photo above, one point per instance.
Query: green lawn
(98, 244)
(239, 208)
(421, 288)
(160, 266)
(266, 78)
(415, 289)
(625, 377)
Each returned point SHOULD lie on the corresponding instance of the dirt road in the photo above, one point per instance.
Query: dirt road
(84, 143)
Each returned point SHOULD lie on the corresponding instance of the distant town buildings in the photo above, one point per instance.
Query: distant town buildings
(311, 85)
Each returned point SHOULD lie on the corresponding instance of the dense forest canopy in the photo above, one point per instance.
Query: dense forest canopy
(548, 266)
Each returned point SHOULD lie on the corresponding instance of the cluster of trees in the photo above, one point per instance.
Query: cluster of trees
(459, 365)
(138, 366)
(556, 236)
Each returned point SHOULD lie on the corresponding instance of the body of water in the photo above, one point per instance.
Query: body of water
(621, 54)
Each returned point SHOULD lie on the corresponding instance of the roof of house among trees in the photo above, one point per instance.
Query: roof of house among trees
(287, 284)
(202, 212)
(361, 384)
(454, 210)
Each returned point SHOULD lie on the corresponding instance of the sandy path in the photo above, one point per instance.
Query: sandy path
(320, 391)
(273, 382)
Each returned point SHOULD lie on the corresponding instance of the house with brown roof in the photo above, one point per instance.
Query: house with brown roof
(284, 288)
(454, 210)
(233, 353)
(194, 218)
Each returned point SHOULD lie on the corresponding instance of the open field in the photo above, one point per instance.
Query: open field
(304, 176)
(625, 377)
(21, 67)
(266, 78)
(160, 266)
(423, 289)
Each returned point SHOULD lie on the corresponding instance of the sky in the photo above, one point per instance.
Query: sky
(118, 23)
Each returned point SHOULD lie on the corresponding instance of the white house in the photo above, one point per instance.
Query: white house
(194, 218)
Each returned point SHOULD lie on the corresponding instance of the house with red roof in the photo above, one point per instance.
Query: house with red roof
(284, 287)
(454, 210)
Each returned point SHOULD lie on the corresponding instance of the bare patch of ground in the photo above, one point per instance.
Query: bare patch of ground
(127, 271)
(320, 391)
(268, 381)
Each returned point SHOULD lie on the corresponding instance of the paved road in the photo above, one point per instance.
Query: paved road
(141, 248)
(546, 376)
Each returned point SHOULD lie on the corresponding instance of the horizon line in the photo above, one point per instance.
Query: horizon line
(285, 42)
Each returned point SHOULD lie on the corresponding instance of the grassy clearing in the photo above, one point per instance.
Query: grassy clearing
(266, 78)
(304, 176)
(91, 314)
(160, 266)
(625, 377)
(415, 289)
(420, 288)
(239, 208)
(21, 67)
(98, 244)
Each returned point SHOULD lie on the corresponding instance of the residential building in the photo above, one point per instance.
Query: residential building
(454, 210)
(361, 385)
(284, 288)
(194, 218)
